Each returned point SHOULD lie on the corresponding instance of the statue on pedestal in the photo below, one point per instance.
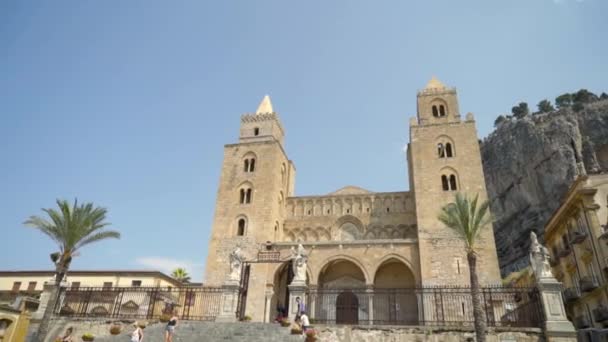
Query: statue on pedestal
(539, 258)
(299, 257)
(236, 264)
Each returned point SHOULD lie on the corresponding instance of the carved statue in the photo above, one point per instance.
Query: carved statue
(236, 263)
(299, 258)
(539, 258)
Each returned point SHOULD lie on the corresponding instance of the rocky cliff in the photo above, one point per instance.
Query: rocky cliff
(529, 164)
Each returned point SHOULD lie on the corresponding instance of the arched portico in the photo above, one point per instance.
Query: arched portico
(283, 276)
(394, 300)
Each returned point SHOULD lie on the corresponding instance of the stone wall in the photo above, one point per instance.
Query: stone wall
(530, 163)
(421, 334)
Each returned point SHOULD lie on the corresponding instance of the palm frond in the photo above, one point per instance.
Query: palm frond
(466, 218)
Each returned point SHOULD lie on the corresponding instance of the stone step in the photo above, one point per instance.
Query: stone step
(189, 331)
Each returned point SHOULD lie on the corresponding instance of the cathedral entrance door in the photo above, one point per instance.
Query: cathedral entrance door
(347, 308)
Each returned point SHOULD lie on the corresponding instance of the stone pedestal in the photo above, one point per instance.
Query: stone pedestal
(296, 290)
(556, 325)
(230, 300)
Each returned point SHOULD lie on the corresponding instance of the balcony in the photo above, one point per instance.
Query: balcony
(589, 283)
(577, 237)
(600, 314)
(564, 252)
(581, 322)
(571, 295)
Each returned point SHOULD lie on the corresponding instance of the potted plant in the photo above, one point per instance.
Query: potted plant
(285, 322)
(296, 330)
(165, 317)
(246, 318)
(142, 325)
(311, 335)
(88, 337)
(115, 328)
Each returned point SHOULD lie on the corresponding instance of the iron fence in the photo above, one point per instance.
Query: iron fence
(189, 303)
(438, 306)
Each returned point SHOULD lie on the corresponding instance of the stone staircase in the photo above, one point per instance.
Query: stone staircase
(191, 331)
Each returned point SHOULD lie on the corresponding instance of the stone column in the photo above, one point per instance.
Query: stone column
(267, 315)
(229, 303)
(370, 302)
(295, 291)
(557, 327)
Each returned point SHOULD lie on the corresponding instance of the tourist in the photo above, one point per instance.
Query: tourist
(138, 333)
(301, 307)
(68, 335)
(305, 323)
(170, 329)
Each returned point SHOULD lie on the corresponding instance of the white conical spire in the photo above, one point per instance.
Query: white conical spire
(265, 106)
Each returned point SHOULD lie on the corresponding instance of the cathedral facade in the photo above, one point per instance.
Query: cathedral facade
(354, 238)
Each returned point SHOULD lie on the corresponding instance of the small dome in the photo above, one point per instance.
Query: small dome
(434, 83)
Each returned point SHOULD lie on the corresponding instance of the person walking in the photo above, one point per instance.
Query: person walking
(138, 334)
(301, 307)
(170, 329)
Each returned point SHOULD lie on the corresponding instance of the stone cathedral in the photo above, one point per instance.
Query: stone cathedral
(354, 238)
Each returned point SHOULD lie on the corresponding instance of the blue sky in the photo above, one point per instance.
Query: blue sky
(128, 103)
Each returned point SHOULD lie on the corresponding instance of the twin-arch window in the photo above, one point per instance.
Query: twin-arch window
(438, 110)
(448, 183)
(445, 150)
(249, 165)
(245, 196)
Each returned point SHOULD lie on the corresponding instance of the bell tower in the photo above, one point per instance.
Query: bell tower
(444, 158)
(256, 178)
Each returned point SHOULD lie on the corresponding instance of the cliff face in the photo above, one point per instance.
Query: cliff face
(530, 163)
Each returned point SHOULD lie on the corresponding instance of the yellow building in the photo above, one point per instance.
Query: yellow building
(30, 283)
(577, 237)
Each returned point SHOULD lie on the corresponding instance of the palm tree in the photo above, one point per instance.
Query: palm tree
(181, 275)
(468, 220)
(71, 227)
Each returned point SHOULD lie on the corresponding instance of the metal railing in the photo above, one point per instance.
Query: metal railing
(435, 306)
(189, 303)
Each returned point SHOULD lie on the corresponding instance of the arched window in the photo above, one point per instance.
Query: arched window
(440, 150)
(283, 170)
(248, 196)
(441, 110)
(453, 183)
(245, 195)
(256, 131)
(448, 150)
(242, 225)
(435, 112)
(249, 164)
(448, 183)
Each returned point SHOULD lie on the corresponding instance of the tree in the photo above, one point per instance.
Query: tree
(604, 96)
(468, 219)
(545, 106)
(181, 275)
(520, 110)
(71, 227)
(564, 100)
(584, 96)
(498, 120)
